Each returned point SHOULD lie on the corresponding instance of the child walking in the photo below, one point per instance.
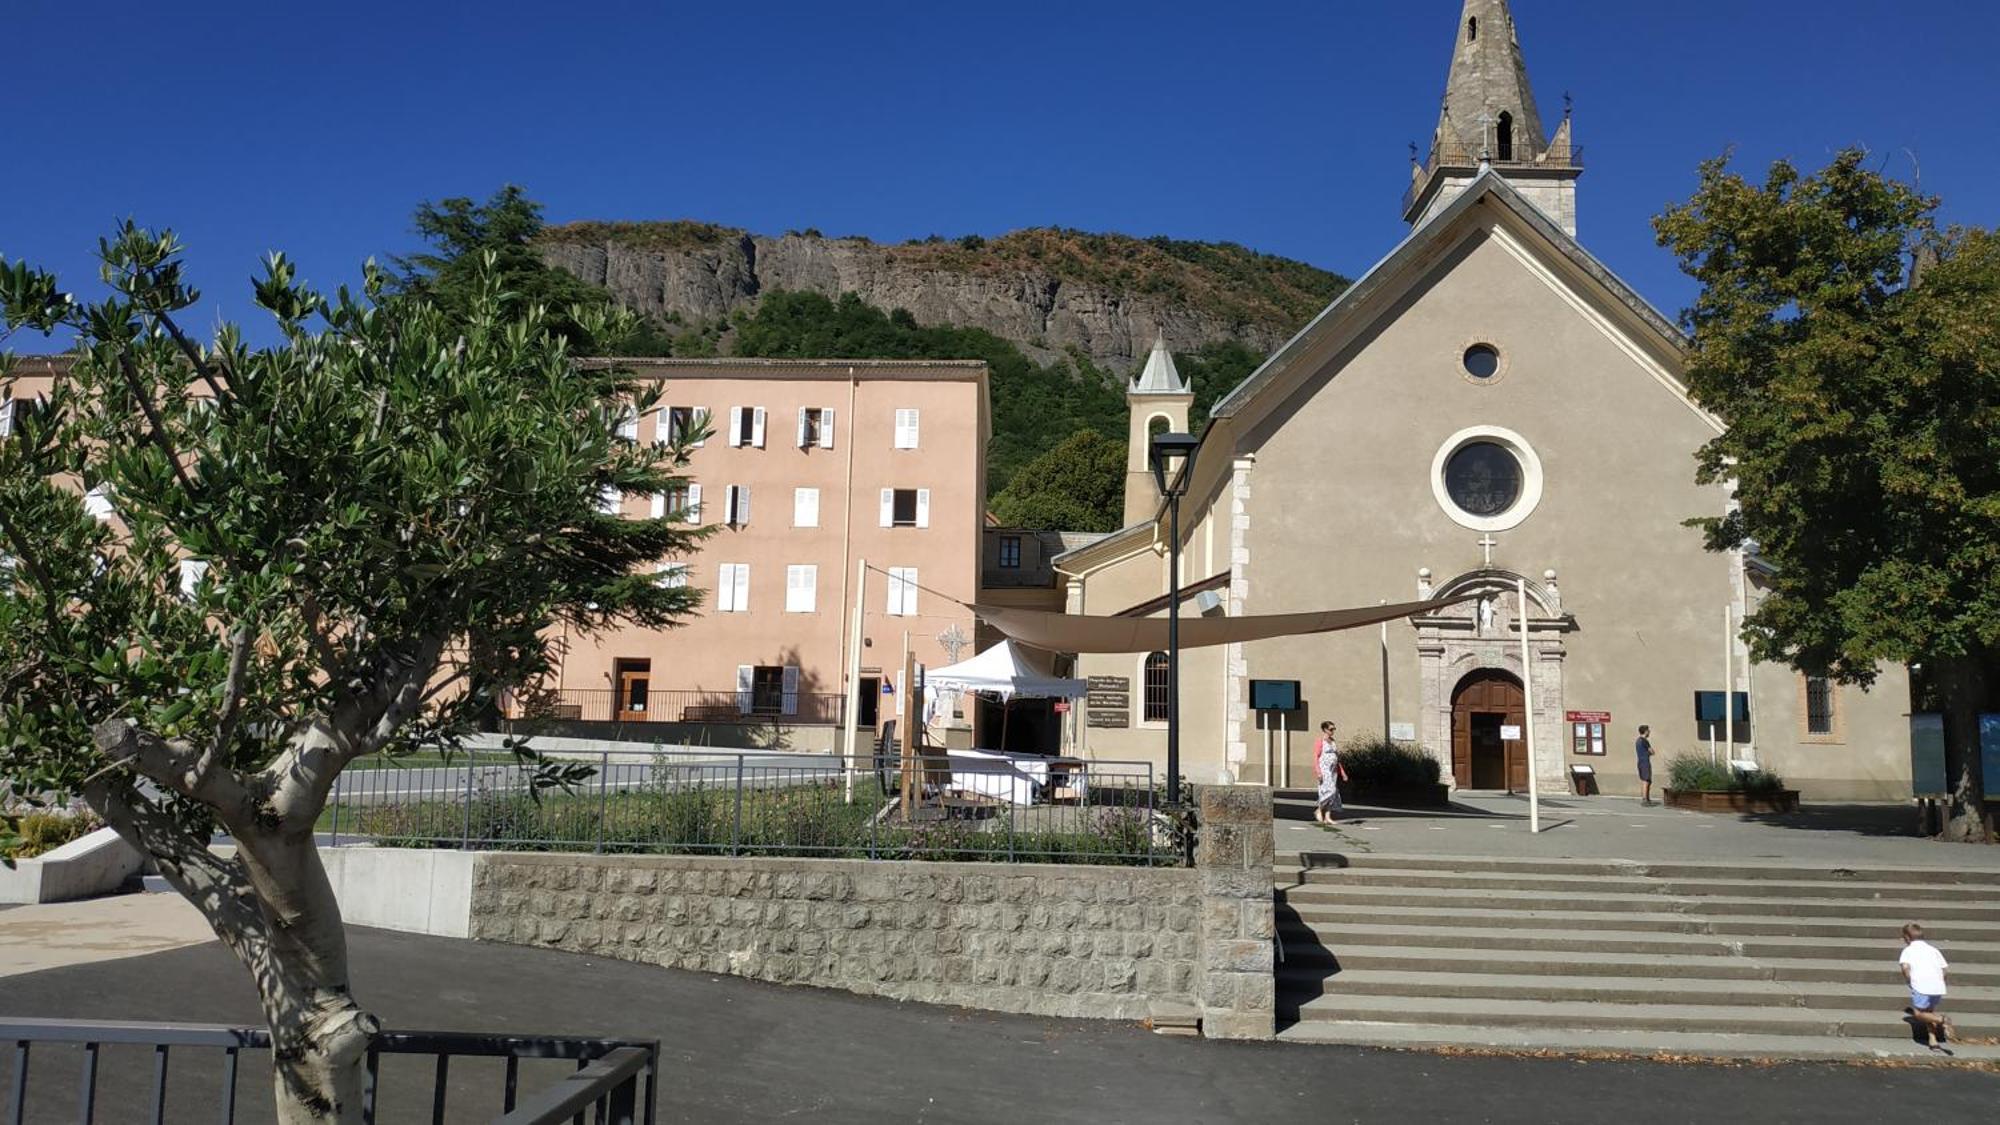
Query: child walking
(1924, 970)
(1326, 769)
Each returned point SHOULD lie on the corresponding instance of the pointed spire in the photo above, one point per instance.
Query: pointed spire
(1160, 377)
(1489, 107)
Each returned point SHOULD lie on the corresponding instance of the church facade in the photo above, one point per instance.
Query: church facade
(1491, 412)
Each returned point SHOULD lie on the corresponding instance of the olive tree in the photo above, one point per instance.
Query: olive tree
(234, 570)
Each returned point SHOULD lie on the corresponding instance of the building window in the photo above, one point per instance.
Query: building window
(628, 423)
(1482, 361)
(906, 428)
(1506, 145)
(766, 689)
(1156, 685)
(1487, 479)
(801, 588)
(682, 424)
(671, 575)
(610, 501)
(815, 427)
(902, 591)
(746, 426)
(1472, 30)
(1819, 707)
(1010, 552)
(192, 572)
(737, 505)
(906, 507)
(732, 588)
(683, 503)
(805, 507)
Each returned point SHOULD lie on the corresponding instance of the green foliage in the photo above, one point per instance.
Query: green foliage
(1694, 773)
(1213, 372)
(464, 234)
(38, 833)
(396, 504)
(1379, 764)
(1863, 411)
(677, 817)
(1034, 406)
(1077, 486)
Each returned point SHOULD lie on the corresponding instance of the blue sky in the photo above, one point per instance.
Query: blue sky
(1280, 124)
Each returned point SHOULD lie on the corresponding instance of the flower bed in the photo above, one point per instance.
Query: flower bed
(1699, 785)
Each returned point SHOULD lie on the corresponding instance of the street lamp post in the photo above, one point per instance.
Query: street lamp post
(1172, 456)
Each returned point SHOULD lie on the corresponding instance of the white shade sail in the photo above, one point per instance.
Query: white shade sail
(1065, 632)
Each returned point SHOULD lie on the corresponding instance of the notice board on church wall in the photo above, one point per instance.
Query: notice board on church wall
(1108, 704)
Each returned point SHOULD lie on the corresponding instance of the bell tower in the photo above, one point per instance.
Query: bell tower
(1490, 120)
(1158, 401)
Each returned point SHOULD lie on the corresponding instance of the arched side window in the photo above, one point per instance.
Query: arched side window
(1472, 30)
(1506, 136)
(1156, 687)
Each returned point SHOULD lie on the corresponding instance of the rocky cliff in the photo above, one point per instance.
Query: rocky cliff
(1048, 290)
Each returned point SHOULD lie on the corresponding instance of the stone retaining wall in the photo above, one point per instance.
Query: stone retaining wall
(1044, 940)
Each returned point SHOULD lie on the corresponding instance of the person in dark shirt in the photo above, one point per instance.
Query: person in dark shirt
(1644, 747)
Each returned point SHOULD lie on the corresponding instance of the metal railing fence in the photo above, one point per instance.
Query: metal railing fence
(766, 803)
(618, 1078)
(801, 708)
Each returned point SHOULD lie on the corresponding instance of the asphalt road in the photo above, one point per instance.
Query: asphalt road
(740, 1051)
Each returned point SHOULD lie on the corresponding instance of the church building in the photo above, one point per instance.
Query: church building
(1488, 409)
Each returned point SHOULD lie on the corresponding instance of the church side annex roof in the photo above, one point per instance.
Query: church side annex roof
(1362, 295)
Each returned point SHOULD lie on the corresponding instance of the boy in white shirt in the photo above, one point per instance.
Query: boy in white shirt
(1924, 970)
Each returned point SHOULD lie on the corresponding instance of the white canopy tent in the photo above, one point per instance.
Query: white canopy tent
(1007, 671)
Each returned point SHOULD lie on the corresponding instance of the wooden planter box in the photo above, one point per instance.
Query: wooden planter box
(1400, 796)
(1701, 800)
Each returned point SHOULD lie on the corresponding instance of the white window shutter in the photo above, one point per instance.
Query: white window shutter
(700, 424)
(805, 507)
(909, 591)
(659, 505)
(923, 507)
(888, 507)
(757, 427)
(791, 689)
(742, 505)
(694, 504)
(192, 572)
(743, 587)
(802, 428)
(672, 575)
(628, 423)
(725, 590)
(98, 503)
(826, 428)
(610, 501)
(906, 429)
(746, 676)
(7, 418)
(662, 425)
(811, 587)
(735, 425)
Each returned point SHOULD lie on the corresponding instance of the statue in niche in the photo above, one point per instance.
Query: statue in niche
(1486, 615)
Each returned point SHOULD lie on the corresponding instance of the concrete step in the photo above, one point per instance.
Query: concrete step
(1419, 1036)
(1300, 954)
(1756, 869)
(1867, 930)
(1565, 885)
(1897, 910)
(1299, 985)
(1335, 933)
(1580, 1014)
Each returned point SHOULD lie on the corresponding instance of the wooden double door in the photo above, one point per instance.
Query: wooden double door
(1486, 709)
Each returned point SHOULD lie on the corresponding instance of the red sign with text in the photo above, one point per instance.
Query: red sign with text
(1587, 716)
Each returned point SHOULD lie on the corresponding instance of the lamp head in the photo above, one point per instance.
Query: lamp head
(1171, 456)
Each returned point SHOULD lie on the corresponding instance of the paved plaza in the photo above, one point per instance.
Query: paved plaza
(740, 1051)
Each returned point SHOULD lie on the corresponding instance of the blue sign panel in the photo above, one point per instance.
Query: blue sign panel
(1989, 753)
(1274, 695)
(1927, 777)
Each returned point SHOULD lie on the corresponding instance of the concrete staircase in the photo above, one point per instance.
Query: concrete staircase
(1752, 959)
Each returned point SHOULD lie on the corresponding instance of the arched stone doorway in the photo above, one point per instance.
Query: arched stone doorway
(1486, 708)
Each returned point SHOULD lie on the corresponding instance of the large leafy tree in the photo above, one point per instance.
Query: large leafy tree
(1077, 486)
(1862, 398)
(394, 505)
(469, 241)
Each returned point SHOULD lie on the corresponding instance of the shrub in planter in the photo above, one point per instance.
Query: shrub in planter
(1378, 765)
(38, 833)
(1692, 773)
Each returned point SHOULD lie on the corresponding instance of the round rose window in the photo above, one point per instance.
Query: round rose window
(1483, 478)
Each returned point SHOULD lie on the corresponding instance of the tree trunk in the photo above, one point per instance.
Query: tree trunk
(319, 1035)
(1968, 818)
